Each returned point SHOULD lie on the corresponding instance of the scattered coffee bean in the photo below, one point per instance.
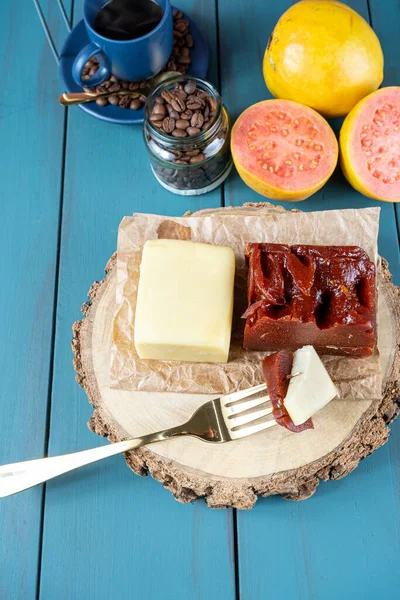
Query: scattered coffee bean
(102, 101)
(181, 25)
(169, 125)
(114, 100)
(184, 60)
(135, 104)
(125, 101)
(115, 87)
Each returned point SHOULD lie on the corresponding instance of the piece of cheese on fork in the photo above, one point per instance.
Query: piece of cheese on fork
(185, 301)
(310, 387)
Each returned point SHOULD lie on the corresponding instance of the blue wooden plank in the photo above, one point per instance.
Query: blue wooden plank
(386, 24)
(107, 533)
(31, 131)
(341, 543)
(344, 542)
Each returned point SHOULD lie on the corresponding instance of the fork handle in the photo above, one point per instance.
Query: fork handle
(20, 476)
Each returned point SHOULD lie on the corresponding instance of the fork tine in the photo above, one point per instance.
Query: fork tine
(235, 396)
(237, 409)
(246, 431)
(249, 418)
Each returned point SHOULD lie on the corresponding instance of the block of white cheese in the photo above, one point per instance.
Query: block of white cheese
(185, 301)
(311, 390)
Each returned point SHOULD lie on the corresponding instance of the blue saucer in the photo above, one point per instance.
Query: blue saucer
(78, 38)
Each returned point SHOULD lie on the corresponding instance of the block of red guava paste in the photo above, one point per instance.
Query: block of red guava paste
(323, 296)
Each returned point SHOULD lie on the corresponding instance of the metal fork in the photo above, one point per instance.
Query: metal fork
(223, 419)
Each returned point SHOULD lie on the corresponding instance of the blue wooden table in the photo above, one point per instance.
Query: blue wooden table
(102, 533)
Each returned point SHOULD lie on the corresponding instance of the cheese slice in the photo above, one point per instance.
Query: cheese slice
(311, 390)
(185, 301)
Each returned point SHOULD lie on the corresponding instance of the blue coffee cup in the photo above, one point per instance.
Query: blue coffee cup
(130, 60)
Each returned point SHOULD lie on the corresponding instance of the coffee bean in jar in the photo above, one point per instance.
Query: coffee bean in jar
(187, 135)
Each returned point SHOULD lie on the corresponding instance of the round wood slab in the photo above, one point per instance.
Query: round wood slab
(271, 462)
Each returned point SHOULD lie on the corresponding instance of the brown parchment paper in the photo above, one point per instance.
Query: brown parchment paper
(355, 378)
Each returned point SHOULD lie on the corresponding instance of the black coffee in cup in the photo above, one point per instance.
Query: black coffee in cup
(128, 19)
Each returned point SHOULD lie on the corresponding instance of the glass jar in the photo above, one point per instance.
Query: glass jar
(194, 164)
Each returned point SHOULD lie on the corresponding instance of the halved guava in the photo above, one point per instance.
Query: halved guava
(370, 145)
(283, 150)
